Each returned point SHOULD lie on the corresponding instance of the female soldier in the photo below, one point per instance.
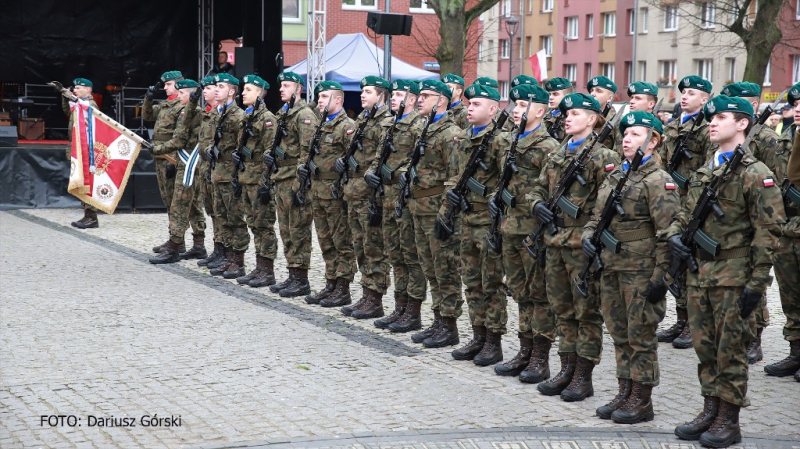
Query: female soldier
(632, 291)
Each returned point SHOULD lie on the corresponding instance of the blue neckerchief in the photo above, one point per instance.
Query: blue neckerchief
(286, 106)
(721, 158)
(528, 132)
(571, 145)
(452, 105)
(404, 115)
(625, 164)
(333, 116)
(438, 116)
(555, 112)
(219, 108)
(249, 110)
(687, 117)
(477, 129)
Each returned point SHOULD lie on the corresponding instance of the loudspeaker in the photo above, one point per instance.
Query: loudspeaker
(31, 128)
(8, 136)
(244, 57)
(389, 23)
(145, 191)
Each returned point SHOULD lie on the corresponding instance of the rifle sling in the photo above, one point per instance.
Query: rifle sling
(635, 234)
(732, 253)
(425, 193)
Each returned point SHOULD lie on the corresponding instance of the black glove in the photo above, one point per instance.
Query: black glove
(589, 250)
(403, 181)
(339, 165)
(269, 161)
(236, 158)
(302, 173)
(57, 86)
(677, 247)
(151, 92)
(542, 213)
(747, 302)
(453, 198)
(171, 170)
(494, 211)
(263, 194)
(209, 154)
(195, 96)
(655, 292)
(373, 180)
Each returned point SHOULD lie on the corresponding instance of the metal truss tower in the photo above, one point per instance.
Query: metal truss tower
(205, 37)
(316, 45)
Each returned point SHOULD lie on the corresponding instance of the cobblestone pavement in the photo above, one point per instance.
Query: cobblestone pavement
(241, 367)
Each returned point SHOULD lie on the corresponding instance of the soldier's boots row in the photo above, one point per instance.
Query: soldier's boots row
(684, 340)
(473, 347)
(88, 221)
(560, 381)
(516, 365)
(219, 251)
(419, 337)
(788, 366)
(754, 351)
(538, 369)
(276, 288)
(236, 268)
(637, 408)
(446, 334)
(492, 351)
(221, 261)
(410, 320)
(672, 332)
(315, 298)
(340, 296)
(605, 411)
(400, 304)
(299, 286)
(197, 251)
(169, 254)
(262, 275)
(693, 429)
(580, 386)
(372, 307)
(717, 425)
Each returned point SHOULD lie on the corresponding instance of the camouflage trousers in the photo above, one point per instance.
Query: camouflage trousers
(231, 210)
(368, 247)
(482, 274)
(632, 321)
(260, 218)
(787, 269)
(294, 223)
(88, 207)
(335, 240)
(206, 194)
(439, 260)
(165, 186)
(525, 278)
(186, 209)
(401, 249)
(720, 337)
(580, 323)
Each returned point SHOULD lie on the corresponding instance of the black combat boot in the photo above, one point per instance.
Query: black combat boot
(638, 407)
(236, 267)
(224, 258)
(156, 249)
(221, 266)
(299, 287)
(168, 255)
(315, 298)
(219, 249)
(725, 431)
(400, 304)
(580, 387)
(492, 351)
(605, 411)
(197, 251)
(362, 301)
(276, 288)
(671, 333)
(89, 220)
(538, 369)
(266, 276)
(373, 308)
(560, 381)
(419, 337)
(340, 296)
(788, 365)
(471, 349)
(516, 365)
(410, 321)
(754, 351)
(256, 271)
(447, 335)
(693, 429)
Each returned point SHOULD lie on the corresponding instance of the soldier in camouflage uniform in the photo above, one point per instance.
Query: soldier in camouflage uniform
(330, 214)
(294, 221)
(554, 119)
(368, 240)
(632, 290)
(727, 287)
(457, 109)
(231, 209)
(398, 232)
(695, 92)
(604, 90)
(579, 320)
(82, 88)
(643, 97)
(481, 269)
(205, 137)
(165, 115)
(537, 323)
(787, 257)
(184, 209)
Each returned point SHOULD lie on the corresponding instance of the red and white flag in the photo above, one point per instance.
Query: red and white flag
(539, 65)
(102, 155)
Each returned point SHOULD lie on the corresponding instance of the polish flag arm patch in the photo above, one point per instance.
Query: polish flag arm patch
(307, 122)
(769, 182)
(269, 123)
(350, 131)
(669, 186)
(609, 167)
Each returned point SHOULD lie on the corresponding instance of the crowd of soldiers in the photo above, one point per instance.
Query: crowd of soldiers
(586, 216)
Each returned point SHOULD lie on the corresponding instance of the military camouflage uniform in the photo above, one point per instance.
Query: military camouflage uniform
(205, 138)
(747, 234)
(230, 208)
(579, 320)
(554, 124)
(786, 258)
(367, 240)
(165, 115)
(68, 111)
(650, 201)
(458, 114)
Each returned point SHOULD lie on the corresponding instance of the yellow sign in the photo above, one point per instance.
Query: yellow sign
(771, 96)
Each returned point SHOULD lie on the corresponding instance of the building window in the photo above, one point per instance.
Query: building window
(530, 6)
(797, 11)
(666, 72)
(768, 74)
(519, 46)
(587, 70)
(491, 50)
(480, 51)
(529, 45)
(547, 45)
(731, 64)
(571, 72)
(504, 90)
(505, 51)
(629, 72)
(589, 26)
(505, 7)
(642, 70)
(291, 11)
(704, 68)
(359, 4)
(708, 15)
(609, 24)
(670, 18)
(631, 22)
(795, 69)
(420, 6)
(547, 5)
(607, 70)
(572, 27)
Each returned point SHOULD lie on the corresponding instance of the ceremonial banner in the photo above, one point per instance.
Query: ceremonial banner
(102, 155)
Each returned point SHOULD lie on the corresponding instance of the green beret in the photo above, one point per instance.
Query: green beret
(436, 86)
(794, 94)
(642, 87)
(453, 79)
(411, 86)
(601, 81)
(208, 81)
(256, 80)
(186, 84)
(530, 92)
(641, 118)
(743, 89)
(486, 81)
(695, 82)
(524, 79)
(82, 82)
(376, 81)
(724, 103)
(226, 78)
(578, 101)
(328, 85)
(481, 91)
(555, 84)
(171, 76)
(291, 76)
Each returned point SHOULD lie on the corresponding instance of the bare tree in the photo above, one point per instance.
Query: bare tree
(427, 47)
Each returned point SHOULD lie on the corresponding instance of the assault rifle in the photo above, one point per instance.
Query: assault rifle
(277, 152)
(790, 193)
(375, 208)
(214, 153)
(350, 161)
(299, 197)
(682, 150)
(504, 197)
(243, 151)
(411, 175)
(533, 243)
(444, 226)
